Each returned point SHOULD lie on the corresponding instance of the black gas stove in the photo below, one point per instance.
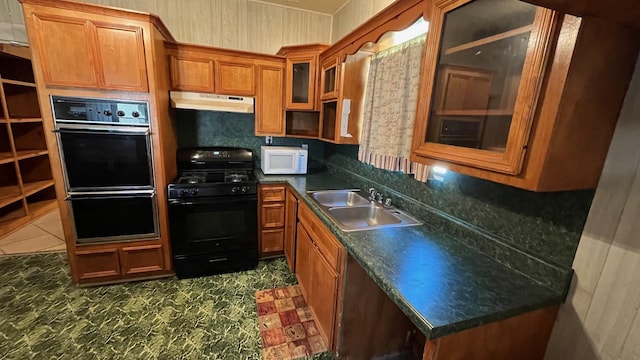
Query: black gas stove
(213, 211)
(219, 171)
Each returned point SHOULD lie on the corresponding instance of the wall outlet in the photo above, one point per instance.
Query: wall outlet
(268, 140)
(305, 146)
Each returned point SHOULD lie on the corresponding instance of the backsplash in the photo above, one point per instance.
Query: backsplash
(534, 233)
(212, 128)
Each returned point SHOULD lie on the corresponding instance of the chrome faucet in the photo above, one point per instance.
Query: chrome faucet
(378, 197)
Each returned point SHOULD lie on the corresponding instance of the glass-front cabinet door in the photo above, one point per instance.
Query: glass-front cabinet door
(300, 88)
(484, 63)
(330, 79)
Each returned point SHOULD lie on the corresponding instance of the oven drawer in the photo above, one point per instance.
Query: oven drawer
(113, 217)
(214, 263)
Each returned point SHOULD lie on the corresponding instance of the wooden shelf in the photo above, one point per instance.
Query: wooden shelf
(25, 154)
(34, 187)
(6, 157)
(17, 214)
(490, 112)
(23, 133)
(489, 39)
(25, 120)
(16, 82)
(41, 207)
(9, 194)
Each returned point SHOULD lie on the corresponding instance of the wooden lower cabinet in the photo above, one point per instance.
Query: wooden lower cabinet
(96, 264)
(290, 225)
(520, 337)
(116, 262)
(318, 275)
(271, 210)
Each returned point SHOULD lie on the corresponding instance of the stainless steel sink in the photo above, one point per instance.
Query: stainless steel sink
(363, 216)
(352, 212)
(333, 198)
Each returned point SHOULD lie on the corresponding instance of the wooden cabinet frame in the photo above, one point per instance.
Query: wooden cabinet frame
(510, 162)
(312, 60)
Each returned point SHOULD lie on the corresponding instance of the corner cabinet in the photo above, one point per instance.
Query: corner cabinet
(75, 52)
(502, 93)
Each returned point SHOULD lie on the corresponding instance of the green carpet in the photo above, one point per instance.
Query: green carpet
(43, 316)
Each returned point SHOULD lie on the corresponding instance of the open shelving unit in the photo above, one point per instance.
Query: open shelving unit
(26, 183)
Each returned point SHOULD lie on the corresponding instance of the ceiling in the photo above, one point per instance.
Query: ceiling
(321, 6)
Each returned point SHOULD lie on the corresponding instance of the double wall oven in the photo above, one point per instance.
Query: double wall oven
(106, 152)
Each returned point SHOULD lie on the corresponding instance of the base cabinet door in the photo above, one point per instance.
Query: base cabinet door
(319, 282)
(324, 285)
(304, 269)
(97, 264)
(142, 259)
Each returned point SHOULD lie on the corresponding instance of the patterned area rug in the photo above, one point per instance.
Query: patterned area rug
(43, 316)
(287, 327)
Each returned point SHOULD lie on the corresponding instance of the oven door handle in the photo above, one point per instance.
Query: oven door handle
(109, 195)
(214, 200)
(71, 129)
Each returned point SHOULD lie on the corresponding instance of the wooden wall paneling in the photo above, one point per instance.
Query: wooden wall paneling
(602, 293)
(231, 31)
(272, 25)
(631, 349)
(17, 21)
(617, 297)
(354, 13)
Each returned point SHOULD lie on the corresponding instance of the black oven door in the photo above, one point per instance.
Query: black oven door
(109, 158)
(114, 217)
(203, 226)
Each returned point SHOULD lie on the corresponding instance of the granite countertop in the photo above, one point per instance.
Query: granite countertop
(442, 285)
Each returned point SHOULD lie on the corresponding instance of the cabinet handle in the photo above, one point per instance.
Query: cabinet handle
(217, 260)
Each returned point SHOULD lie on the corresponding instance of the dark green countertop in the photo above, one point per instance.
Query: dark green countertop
(442, 285)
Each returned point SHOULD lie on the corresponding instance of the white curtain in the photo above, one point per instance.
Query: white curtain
(390, 104)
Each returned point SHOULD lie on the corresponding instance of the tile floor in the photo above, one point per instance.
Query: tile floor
(42, 235)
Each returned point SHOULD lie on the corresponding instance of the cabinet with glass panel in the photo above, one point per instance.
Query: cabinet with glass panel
(497, 78)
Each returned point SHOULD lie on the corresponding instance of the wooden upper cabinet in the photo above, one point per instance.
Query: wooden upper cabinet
(192, 74)
(269, 112)
(505, 97)
(235, 78)
(120, 57)
(82, 53)
(300, 82)
(486, 74)
(72, 64)
(301, 76)
(330, 79)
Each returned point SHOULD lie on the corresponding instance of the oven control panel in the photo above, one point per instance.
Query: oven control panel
(178, 191)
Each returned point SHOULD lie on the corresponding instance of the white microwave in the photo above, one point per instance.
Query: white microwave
(283, 160)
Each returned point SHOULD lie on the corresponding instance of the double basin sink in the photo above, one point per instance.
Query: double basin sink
(352, 212)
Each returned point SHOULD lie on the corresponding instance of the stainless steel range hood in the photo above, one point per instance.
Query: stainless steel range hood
(212, 102)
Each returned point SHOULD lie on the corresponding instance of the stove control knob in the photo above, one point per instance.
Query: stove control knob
(184, 193)
(244, 189)
(235, 190)
(194, 192)
(107, 112)
(135, 114)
